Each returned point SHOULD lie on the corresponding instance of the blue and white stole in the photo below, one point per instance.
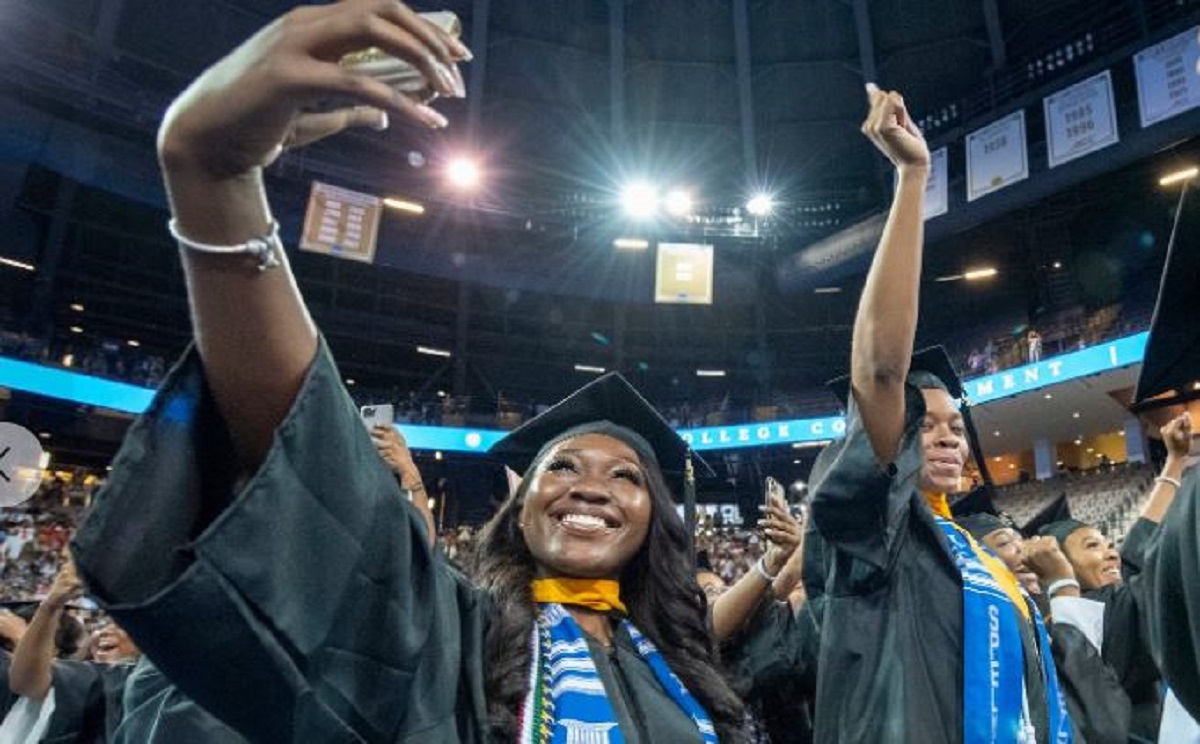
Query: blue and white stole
(994, 710)
(567, 703)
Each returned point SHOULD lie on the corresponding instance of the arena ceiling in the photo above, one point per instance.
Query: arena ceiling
(569, 99)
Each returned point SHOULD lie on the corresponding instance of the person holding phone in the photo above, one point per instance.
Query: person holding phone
(248, 537)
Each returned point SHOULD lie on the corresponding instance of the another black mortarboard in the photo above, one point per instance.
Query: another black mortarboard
(1171, 365)
(1058, 510)
(607, 405)
(1062, 529)
(933, 361)
(982, 524)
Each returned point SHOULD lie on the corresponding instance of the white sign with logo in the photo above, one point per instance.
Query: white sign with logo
(996, 156)
(1168, 81)
(937, 192)
(1080, 119)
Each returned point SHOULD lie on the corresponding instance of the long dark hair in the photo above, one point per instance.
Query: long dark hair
(658, 587)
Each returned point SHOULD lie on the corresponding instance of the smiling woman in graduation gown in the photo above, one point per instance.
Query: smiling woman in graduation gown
(262, 556)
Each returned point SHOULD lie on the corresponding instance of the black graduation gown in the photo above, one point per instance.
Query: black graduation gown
(774, 660)
(306, 606)
(87, 701)
(1126, 633)
(156, 712)
(1173, 573)
(891, 655)
(1099, 707)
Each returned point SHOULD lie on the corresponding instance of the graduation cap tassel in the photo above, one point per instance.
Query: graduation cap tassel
(689, 502)
(976, 447)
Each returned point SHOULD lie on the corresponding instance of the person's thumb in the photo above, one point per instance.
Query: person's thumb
(309, 128)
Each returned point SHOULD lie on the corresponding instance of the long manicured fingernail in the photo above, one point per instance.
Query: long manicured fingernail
(872, 88)
(381, 122)
(444, 83)
(460, 87)
(431, 117)
(461, 50)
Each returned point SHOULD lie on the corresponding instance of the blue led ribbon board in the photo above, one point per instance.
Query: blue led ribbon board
(53, 382)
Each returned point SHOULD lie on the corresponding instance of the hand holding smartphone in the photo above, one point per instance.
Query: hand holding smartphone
(378, 415)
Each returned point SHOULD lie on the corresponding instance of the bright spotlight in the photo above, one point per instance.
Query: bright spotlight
(760, 205)
(639, 200)
(1184, 174)
(679, 203)
(463, 173)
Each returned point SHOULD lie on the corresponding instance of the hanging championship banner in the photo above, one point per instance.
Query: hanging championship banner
(996, 156)
(937, 190)
(340, 222)
(685, 274)
(1168, 79)
(1080, 119)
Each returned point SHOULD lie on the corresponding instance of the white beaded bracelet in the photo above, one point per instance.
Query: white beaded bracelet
(1168, 479)
(266, 249)
(1061, 584)
(761, 567)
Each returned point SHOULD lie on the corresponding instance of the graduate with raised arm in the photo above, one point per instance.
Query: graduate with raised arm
(926, 636)
(1168, 389)
(256, 547)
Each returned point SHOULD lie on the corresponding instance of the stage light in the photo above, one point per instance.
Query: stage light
(710, 373)
(429, 350)
(76, 329)
(404, 205)
(631, 244)
(134, 343)
(679, 203)
(463, 173)
(980, 274)
(16, 264)
(827, 290)
(760, 205)
(639, 200)
(77, 307)
(1185, 174)
(589, 368)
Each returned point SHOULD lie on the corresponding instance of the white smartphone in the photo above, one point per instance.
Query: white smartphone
(381, 414)
(774, 489)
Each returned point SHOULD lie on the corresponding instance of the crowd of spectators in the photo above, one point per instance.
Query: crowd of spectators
(102, 357)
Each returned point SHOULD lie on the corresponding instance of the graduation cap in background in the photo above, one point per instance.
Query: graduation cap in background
(1171, 365)
(1058, 510)
(607, 402)
(934, 361)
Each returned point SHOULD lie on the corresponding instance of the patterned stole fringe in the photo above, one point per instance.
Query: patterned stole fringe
(567, 702)
(994, 710)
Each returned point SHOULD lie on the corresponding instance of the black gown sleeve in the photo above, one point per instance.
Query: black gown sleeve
(1173, 570)
(860, 505)
(304, 606)
(1126, 646)
(1099, 707)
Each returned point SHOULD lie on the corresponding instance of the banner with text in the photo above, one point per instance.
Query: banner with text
(937, 192)
(1168, 81)
(1080, 119)
(340, 222)
(685, 274)
(996, 156)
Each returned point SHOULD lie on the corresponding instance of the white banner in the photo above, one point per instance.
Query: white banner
(1080, 119)
(340, 222)
(685, 274)
(996, 156)
(937, 192)
(1168, 79)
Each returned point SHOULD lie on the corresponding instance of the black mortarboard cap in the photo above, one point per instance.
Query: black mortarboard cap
(1062, 529)
(979, 501)
(1171, 364)
(934, 361)
(983, 524)
(1058, 510)
(608, 404)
